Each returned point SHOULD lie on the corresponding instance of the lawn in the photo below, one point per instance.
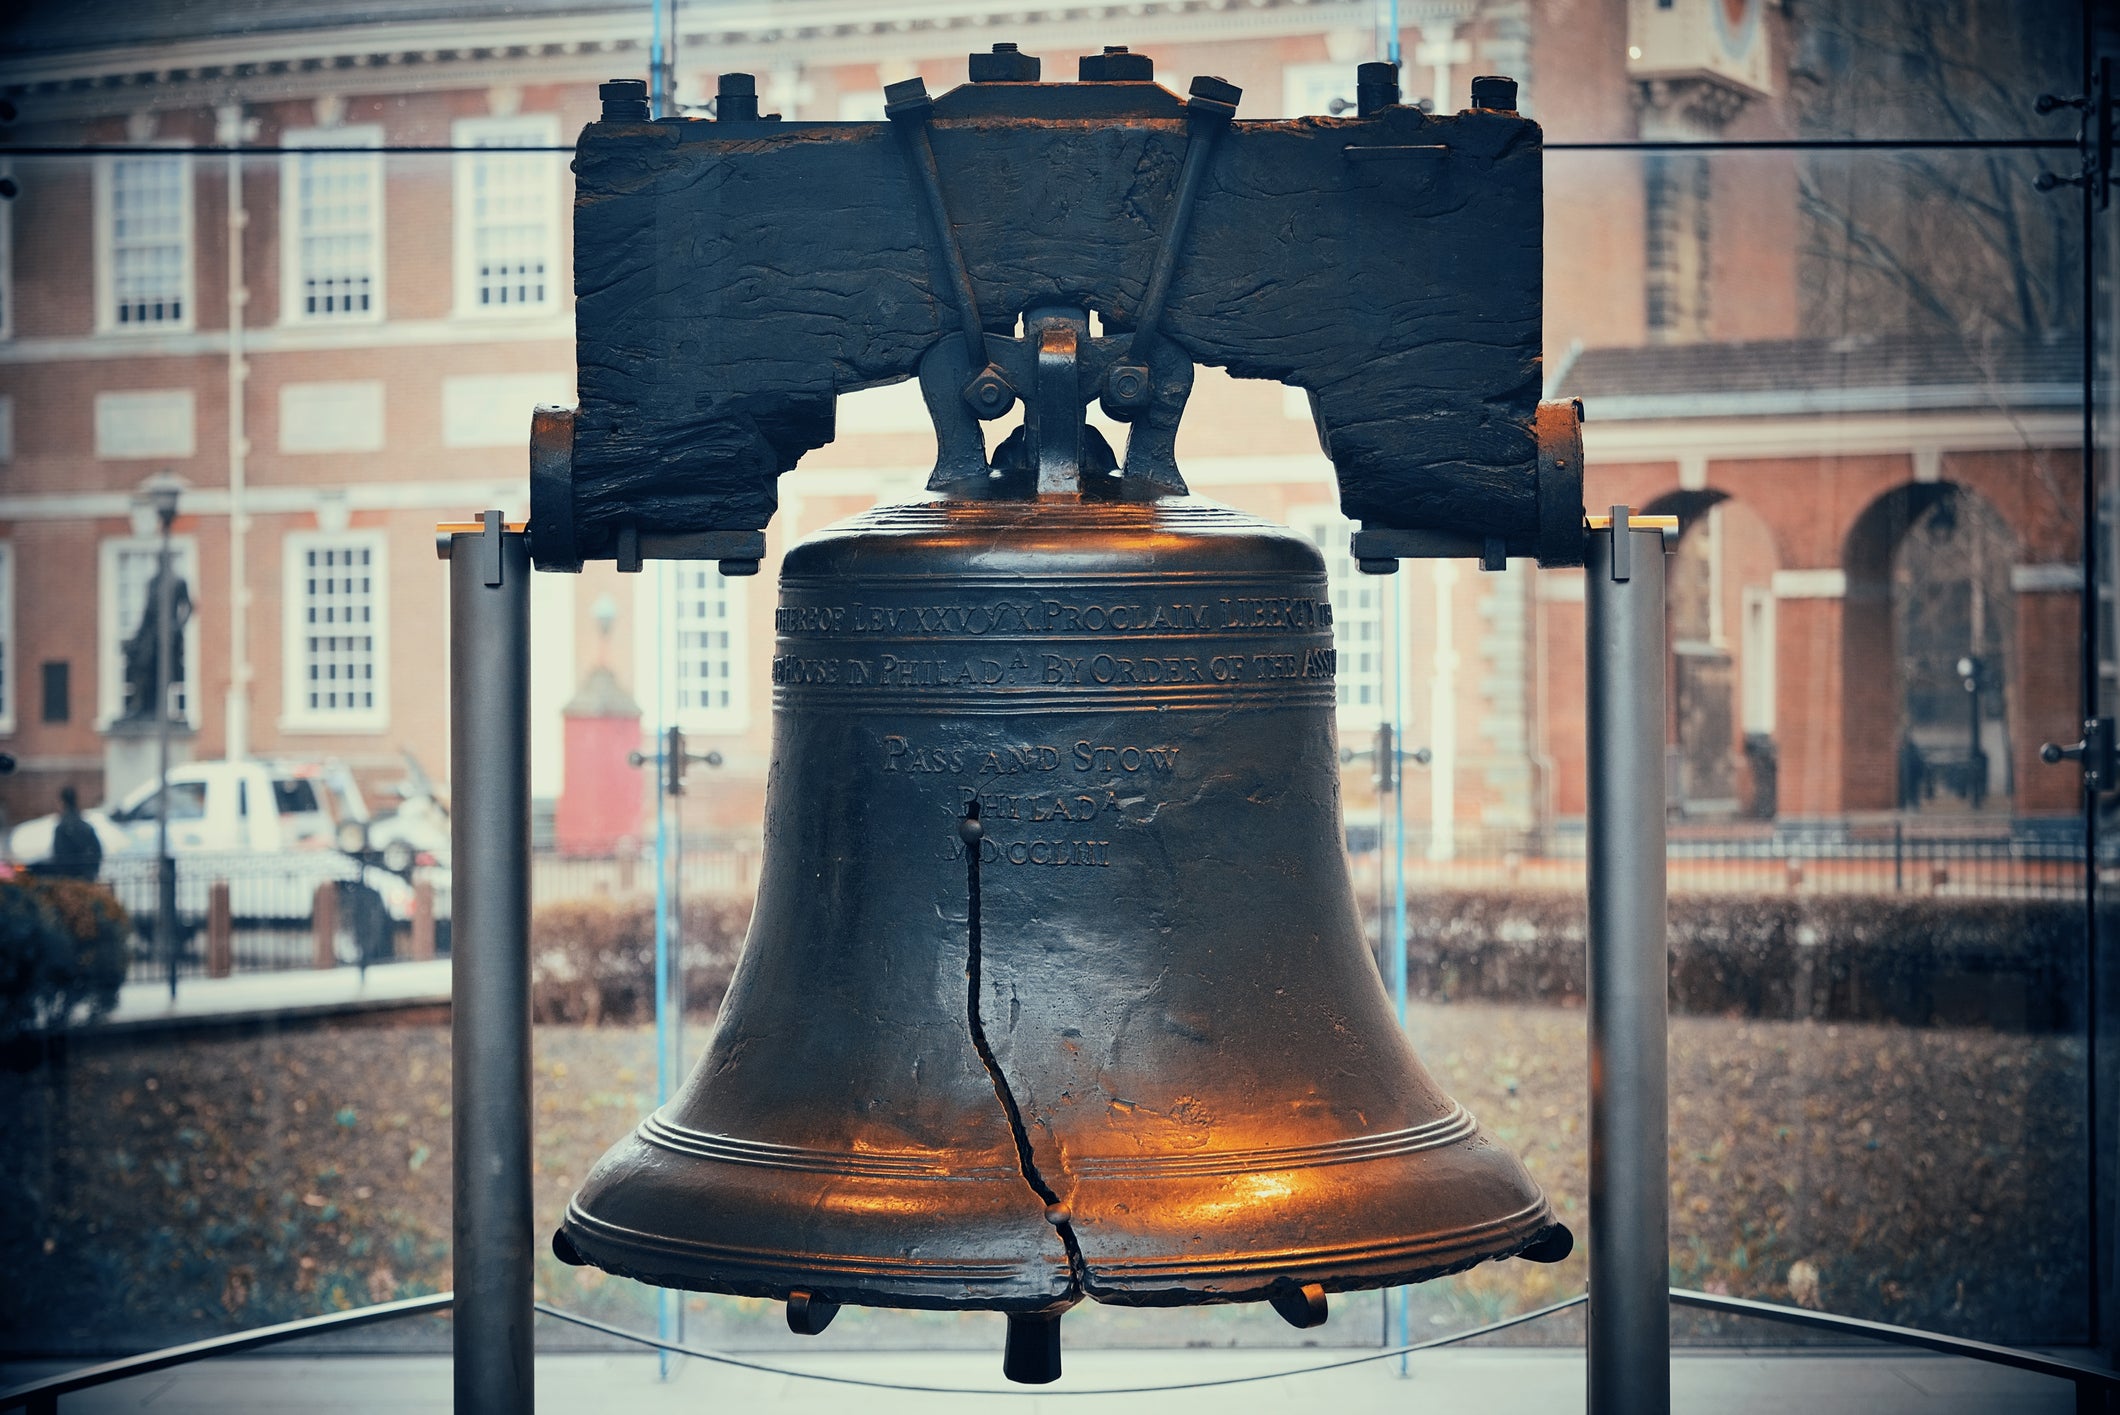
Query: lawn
(163, 1191)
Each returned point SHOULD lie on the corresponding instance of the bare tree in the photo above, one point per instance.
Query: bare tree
(1953, 243)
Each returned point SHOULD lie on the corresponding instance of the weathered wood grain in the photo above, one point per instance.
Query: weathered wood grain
(733, 278)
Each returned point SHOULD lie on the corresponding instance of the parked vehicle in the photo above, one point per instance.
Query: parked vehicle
(270, 829)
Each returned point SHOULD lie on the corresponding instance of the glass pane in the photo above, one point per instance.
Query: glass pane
(1851, 375)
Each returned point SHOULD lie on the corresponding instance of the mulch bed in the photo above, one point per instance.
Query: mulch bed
(164, 1191)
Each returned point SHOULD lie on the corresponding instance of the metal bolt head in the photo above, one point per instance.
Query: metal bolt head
(1128, 388)
(989, 393)
(624, 100)
(1006, 65)
(1495, 92)
(1116, 65)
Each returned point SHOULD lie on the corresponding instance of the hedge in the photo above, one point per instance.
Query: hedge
(2015, 964)
(593, 960)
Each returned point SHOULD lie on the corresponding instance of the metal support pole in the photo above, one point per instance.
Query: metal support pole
(1630, 1306)
(165, 653)
(489, 775)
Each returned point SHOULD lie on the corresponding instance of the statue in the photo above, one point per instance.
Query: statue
(141, 647)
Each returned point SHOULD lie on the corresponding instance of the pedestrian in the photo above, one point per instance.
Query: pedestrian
(77, 851)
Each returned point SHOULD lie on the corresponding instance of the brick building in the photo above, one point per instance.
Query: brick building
(338, 344)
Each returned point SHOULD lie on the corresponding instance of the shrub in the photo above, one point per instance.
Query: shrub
(62, 950)
(1911, 959)
(593, 960)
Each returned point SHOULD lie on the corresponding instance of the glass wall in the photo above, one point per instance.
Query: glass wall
(1815, 304)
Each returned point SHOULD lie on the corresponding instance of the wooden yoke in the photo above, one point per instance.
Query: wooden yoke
(734, 277)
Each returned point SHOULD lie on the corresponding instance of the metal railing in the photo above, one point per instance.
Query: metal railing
(2042, 861)
(2093, 1384)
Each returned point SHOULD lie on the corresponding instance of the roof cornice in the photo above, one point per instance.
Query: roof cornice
(472, 51)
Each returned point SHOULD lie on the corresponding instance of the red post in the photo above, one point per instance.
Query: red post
(421, 945)
(220, 931)
(324, 926)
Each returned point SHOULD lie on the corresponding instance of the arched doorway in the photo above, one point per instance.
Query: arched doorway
(1720, 628)
(1929, 599)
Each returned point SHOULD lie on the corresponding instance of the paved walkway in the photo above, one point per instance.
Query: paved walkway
(301, 992)
(1489, 1382)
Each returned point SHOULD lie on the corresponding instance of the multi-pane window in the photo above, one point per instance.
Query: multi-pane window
(128, 576)
(335, 631)
(144, 231)
(711, 682)
(1675, 245)
(332, 242)
(507, 216)
(1357, 618)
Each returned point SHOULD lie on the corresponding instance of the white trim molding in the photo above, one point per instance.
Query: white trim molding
(1728, 439)
(2046, 579)
(146, 424)
(1810, 584)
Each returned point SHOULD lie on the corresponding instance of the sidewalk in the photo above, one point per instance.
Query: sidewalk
(1490, 1381)
(260, 997)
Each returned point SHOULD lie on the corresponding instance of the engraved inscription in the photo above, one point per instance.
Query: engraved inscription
(1096, 854)
(1058, 618)
(902, 754)
(1103, 790)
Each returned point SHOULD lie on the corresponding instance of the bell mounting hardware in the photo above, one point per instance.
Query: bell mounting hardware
(1055, 987)
(734, 277)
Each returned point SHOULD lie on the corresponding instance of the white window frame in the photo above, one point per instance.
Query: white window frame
(295, 713)
(523, 130)
(292, 273)
(658, 622)
(10, 683)
(105, 237)
(111, 629)
(1324, 527)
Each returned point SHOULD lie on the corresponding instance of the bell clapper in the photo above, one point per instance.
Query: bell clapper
(1301, 1307)
(809, 1314)
(1032, 1355)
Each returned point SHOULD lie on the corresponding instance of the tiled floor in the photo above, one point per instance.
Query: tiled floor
(1485, 1382)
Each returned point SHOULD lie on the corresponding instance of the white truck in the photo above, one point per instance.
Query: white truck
(273, 830)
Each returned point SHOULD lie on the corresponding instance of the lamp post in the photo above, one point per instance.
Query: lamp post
(1969, 669)
(163, 492)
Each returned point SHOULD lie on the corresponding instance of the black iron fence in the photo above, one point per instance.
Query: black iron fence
(272, 901)
(254, 913)
(2020, 860)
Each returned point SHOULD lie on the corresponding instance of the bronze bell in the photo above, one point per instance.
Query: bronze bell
(1056, 986)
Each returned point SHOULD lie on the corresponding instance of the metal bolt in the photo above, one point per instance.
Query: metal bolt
(736, 98)
(624, 100)
(1494, 91)
(989, 393)
(1007, 64)
(1117, 64)
(1127, 389)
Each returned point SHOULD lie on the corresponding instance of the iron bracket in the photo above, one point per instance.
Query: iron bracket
(2096, 751)
(2094, 136)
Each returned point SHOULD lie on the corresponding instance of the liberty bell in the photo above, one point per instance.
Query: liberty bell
(1055, 988)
